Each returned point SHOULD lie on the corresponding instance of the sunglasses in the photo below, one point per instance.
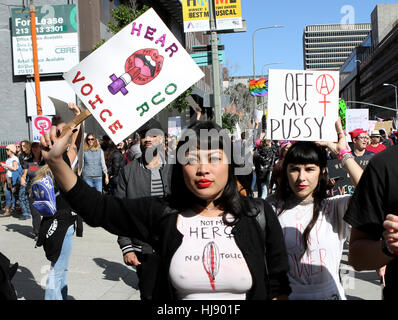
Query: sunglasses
(90, 139)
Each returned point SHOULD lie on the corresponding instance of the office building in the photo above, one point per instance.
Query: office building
(326, 47)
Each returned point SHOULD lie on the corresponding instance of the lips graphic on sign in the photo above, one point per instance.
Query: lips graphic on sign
(141, 67)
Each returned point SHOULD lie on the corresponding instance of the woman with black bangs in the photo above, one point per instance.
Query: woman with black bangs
(207, 235)
(312, 223)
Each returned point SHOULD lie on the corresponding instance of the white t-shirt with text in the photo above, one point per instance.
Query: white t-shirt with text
(315, 276)
(208, 264)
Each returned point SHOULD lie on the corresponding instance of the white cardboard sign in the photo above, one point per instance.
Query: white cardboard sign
(302, 105)
(133, 76)
(40, 124)
(355, 119)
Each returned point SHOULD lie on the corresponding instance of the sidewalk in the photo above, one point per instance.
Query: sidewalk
(96, 267)
(97, 272)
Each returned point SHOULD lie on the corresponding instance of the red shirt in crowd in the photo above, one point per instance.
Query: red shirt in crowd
(377, 149)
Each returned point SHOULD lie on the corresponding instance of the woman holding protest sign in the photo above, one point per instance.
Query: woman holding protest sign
(313, 224)
(209, 239)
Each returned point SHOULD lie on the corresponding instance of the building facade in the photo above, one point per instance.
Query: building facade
(92, 19)
(326, 47)
(372, 64)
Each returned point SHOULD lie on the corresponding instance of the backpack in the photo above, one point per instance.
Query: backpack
(44, 196)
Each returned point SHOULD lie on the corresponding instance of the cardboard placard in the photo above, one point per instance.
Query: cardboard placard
(133, 76)
(40, 124)
(386, 125)
(344, 185)
(302, 105)
(357, 118)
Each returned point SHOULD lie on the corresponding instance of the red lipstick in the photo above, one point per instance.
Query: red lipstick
(204, 183)
(302, 187)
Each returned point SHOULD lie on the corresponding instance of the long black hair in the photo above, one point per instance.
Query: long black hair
(304, 153)
(181, 197)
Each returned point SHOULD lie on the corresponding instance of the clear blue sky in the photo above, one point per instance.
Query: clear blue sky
(285, 44)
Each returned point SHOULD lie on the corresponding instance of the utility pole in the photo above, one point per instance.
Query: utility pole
(35, 57)
(215, 64)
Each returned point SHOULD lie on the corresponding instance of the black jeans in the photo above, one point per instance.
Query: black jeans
(147, 273)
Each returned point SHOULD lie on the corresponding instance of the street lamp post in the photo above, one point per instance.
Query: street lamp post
(262, 28)
(396, 102)
(268, 64)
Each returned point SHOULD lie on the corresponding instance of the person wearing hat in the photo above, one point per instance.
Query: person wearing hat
(375, 146)
(360, 140)
(147, 176)
(12, 164)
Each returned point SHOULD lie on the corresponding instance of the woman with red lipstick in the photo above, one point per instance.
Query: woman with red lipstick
(312, 224)
(208, 237)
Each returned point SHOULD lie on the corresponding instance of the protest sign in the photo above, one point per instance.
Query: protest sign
(357, 118)
(257, 115)
(344, 185)
(372, 124)
(133, 76)
(40, 125)
(174, 127)
(302, 105)
(386, 125)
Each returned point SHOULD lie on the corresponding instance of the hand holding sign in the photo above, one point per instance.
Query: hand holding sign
(341, 144)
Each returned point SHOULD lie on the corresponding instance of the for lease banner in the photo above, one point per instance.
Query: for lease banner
(57, 39)
(133, 76)
(302, 105)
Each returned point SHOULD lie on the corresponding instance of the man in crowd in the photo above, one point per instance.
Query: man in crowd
(146, 176)
(375, 146)
(372, 215)
(360, 139)
(385, 140)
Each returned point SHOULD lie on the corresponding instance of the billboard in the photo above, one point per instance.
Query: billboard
(57, 39)
(196, 15)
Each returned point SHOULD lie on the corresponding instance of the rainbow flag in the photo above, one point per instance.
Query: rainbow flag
(258, 87)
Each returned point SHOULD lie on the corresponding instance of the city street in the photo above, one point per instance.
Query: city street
(97, 272)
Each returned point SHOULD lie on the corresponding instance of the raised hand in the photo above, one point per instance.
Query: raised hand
(341, 144)
(74, 108)
(52, 146)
